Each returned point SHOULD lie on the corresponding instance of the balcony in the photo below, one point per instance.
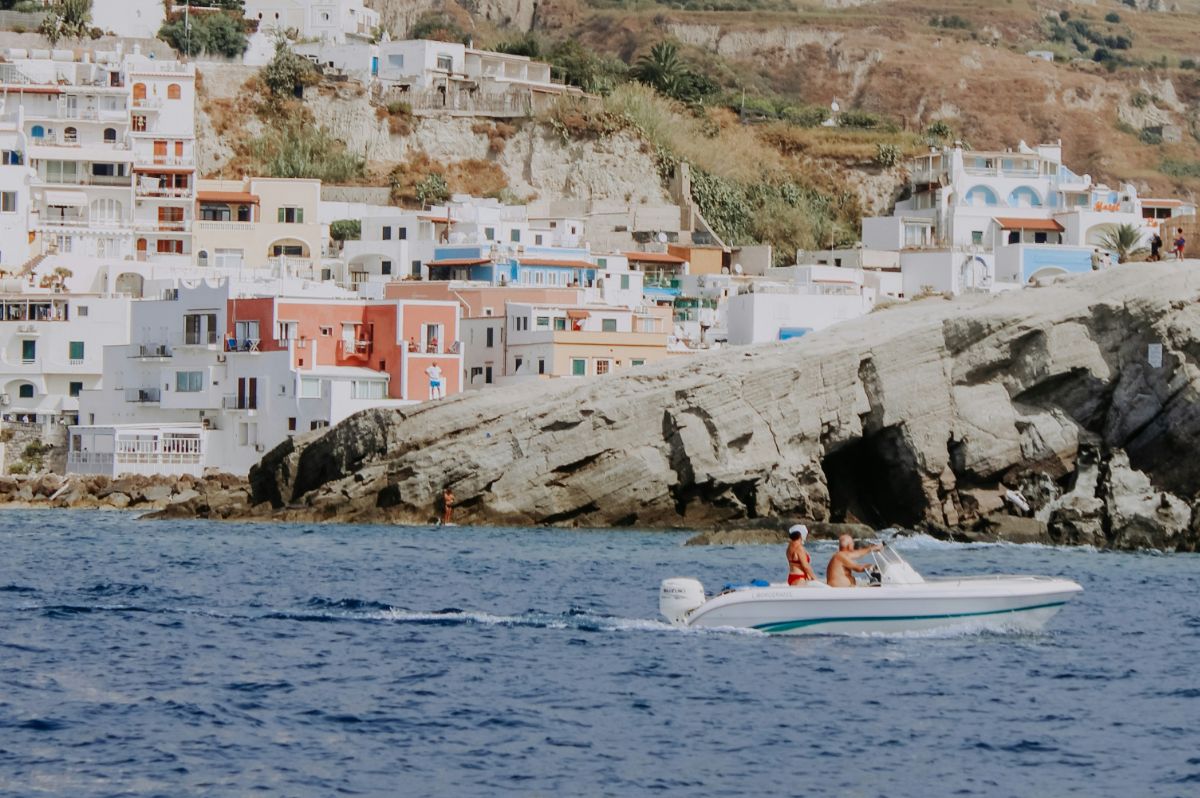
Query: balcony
(148, 162)
(152, 351)
(225, 226)
(143, 395)
(354, 350)
(239, 402)
(163, 192)
(243, 344)
(434, 348)
(162, 226)
(204, 338)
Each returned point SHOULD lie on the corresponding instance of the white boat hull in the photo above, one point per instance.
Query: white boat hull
(1006, 604)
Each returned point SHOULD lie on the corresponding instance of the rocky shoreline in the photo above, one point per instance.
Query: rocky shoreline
(1065, 413)
(215, 496)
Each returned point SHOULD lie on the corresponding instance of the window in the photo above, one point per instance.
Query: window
(537, 240)
(487, 375)
(326, 331)
(608, 325)
(29, 351)
(560, 323)
(402, 233)
(416, 268)
(318, 425)
(476, 371)
(491, 337)
(10, 158)
(367, 389)
(290, 215)
(1039, 238)
(521, 323)
(81, 310)
(110, 135)
(37, 131)
(624, 282)
(189, 381)
(445, 63)
(541, 365)
(310, 388)
(1014, 236)
(517, 363)
(601, 366)
(515, 235)
(70, 135)
(385, 267)
(75, 351)
(25, 391)
(578, 367)
(8, 202)
(489, 233)
(977, 237)
(291, 423)
(637, 361)
(396, 60)
(215, 213)
(174, 92)
(543, 321)
(387, 232)
(74, 388)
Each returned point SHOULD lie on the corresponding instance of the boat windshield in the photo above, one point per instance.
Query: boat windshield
(894, 569)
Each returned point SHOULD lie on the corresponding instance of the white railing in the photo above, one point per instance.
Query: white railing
(225, 226)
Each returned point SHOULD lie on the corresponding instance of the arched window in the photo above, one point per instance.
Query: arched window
(173, 91)
(1024, 197)
(980, 195)
(70, 135)
(25, 391)
(37, 131)
(110, 134)
(139, 92)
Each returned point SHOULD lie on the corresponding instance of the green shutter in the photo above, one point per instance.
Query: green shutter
(299, 216)
(76, 350)
(281, 212)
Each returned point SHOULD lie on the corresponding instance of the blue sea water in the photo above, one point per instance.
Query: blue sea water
(198, 658)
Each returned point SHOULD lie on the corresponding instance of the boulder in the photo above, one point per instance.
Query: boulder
(923, 414)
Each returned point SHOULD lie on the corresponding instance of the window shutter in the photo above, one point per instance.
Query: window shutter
(281, 212)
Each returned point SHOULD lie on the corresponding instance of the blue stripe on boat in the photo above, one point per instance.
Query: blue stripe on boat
(787, 626)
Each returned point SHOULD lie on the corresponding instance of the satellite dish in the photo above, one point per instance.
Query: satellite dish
(662, 237)
(737, 268)
(835, 106)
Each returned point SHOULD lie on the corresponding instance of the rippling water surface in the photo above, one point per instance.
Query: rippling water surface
(196, 658)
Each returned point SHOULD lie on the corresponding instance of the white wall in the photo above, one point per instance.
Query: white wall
(757, 318)
(134, 19)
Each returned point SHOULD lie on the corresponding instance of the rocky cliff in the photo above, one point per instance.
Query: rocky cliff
(1048, 409)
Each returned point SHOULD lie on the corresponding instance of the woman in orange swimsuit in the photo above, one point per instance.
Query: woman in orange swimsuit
(799, 560)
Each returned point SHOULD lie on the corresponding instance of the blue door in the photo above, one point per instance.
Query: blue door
(374, 65)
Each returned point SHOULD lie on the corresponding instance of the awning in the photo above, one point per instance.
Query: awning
(654, 257)
(577, 313)
(458, 262)
(571, 264)
(66, 199)
(228, 197)
(436, 219)
(660, 292)
(1041, 225)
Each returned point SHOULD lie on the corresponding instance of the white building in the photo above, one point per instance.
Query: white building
(330, 21)
(108, 143)
(815, 298)
(994, 220)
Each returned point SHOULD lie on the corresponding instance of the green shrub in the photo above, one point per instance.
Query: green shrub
(286, 71)
(1113, 17)
(887, 155)
(303, 150)
(214, 33)
(345, 230)
(67, 19)
(951, 22)
(1187, 63)
(1150, 135)
(432, 189)
(438, 26)
(1177, 168)
(939, 129)
(864, 120)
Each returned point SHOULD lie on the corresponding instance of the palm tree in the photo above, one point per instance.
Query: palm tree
(662, 69)
(1125, 240)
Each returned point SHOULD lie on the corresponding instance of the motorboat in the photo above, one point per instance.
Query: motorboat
(897, 600)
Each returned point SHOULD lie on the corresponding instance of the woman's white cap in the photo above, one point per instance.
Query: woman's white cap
(802, 529)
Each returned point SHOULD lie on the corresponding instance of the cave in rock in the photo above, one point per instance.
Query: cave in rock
(874, 480)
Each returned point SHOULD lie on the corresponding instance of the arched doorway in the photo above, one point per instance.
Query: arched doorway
(141, 248)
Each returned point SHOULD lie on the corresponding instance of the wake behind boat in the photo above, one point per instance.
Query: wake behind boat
(900, 600)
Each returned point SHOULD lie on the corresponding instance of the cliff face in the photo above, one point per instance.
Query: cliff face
(928, 413)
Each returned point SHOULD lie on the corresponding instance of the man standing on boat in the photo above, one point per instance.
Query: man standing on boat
(799, 562)
(844, 563)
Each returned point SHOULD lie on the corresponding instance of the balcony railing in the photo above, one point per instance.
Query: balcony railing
(162, 226)
(200, 338)
(234, 401)
(243, 344)
(143, 394)
(360, 349)
(153, 350)
(228, 226)
(163, 192)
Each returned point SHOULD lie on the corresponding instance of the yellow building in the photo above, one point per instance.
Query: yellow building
(259, 221)
(701, 259)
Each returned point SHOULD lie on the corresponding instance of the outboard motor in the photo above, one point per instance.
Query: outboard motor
(677, 597)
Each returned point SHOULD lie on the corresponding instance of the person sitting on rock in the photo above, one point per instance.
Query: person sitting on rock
(844, 563)
(799, 561)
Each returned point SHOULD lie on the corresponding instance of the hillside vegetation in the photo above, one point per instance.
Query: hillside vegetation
(742, 90)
